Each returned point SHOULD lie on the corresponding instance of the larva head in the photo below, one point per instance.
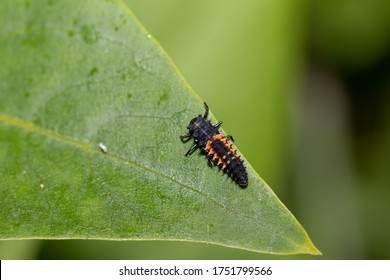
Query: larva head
(195, 125)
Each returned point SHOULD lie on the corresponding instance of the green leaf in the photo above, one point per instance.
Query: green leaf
(90, 116)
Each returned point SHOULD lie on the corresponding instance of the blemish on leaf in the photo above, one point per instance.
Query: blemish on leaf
(26, 95)
(129, 95)
(93, 71)
(120, 23)
(163, 97)
(89, 34)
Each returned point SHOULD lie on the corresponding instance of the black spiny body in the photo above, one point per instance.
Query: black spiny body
(211, 142)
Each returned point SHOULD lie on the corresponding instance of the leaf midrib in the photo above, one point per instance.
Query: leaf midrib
(16, 122)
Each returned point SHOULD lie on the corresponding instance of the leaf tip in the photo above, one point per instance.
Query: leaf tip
(311, 249)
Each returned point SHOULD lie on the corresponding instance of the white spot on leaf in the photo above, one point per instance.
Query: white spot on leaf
(102, 147)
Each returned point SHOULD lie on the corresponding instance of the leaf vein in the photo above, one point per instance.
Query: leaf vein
(33, 128)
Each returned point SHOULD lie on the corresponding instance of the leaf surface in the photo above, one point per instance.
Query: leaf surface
(90, 116)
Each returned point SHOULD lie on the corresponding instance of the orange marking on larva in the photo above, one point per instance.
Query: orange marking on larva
(208, 145)
(217, 136)
(225, 144)
(224, 166)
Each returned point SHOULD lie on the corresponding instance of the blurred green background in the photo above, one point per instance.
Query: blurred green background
(304, 88)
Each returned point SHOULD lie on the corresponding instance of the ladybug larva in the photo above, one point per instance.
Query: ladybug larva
(216, 146)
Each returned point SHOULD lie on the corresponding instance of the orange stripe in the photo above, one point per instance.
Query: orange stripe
(208, 145)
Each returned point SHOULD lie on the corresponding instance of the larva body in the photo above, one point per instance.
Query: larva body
(218, 150)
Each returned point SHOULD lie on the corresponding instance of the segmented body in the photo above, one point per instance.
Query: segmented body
(216, 146)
